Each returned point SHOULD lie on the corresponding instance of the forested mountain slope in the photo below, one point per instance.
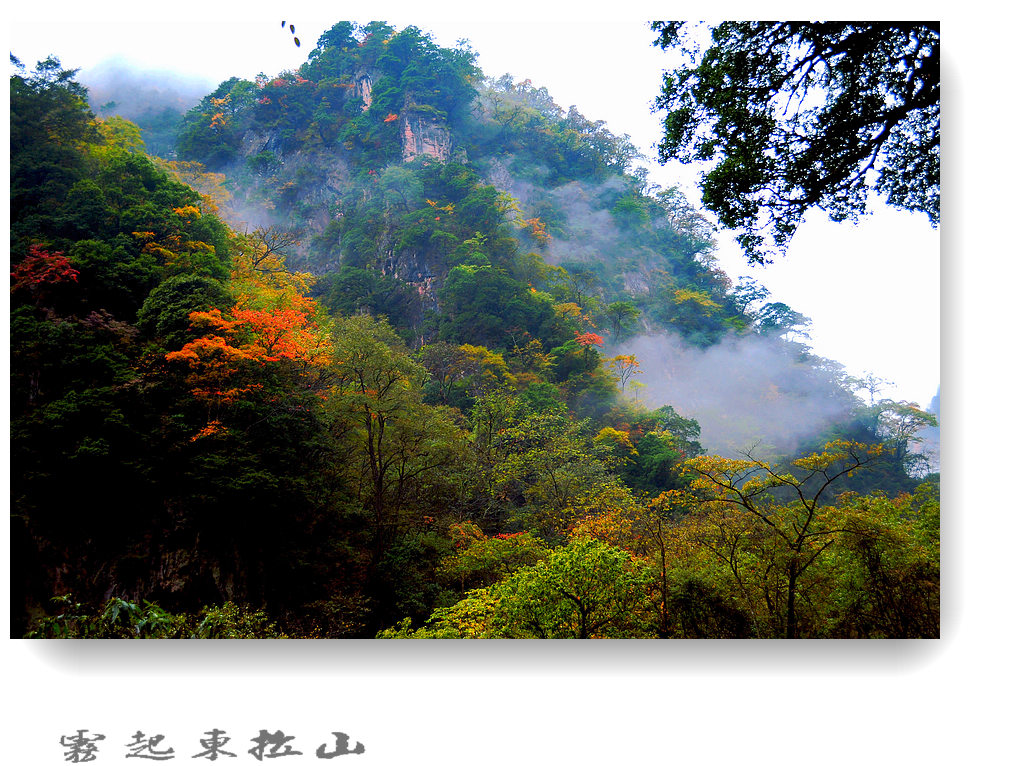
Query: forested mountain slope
(361, 352)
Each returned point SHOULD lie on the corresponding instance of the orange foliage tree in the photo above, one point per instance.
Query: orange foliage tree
(228, 361)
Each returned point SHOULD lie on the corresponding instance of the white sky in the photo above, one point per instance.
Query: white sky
(872, 291)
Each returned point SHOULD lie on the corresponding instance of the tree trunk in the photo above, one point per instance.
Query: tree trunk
(791, 592)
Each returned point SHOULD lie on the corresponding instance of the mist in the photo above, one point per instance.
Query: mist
(930, 439)
(745, 392)
(138, 92)
(152, 99)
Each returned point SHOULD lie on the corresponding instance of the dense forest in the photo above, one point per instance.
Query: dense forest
(383, 347)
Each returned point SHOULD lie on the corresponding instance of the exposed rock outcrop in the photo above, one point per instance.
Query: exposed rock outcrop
(255, 141)
(424, 133)
(363, 82)
(410, 267)
(499, 175)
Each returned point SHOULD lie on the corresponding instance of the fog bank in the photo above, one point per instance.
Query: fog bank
(744, 391)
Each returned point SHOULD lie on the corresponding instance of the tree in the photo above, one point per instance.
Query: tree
(869, 382)
(266, 248)
(802, 115)
(746, 293)
(900, 425)
(478, 560)
(624, 367)
(779, 319)
(481, 305)
(340, 36)
(50, 122)
(585, 589)
(697, 314)
(887, 567)
(210, 132)
(458, 372)
(693, 229)
(41, 273)
(621, 315)
(535, 461)
(166, 313)
(210, 185)
(688, 606)
(398, 453)
(752, 510)
(48, 106)
(352, 290)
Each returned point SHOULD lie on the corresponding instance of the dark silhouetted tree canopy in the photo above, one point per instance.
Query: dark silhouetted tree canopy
(802, 115)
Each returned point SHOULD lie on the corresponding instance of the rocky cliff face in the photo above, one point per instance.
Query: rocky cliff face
(412, 268)
(313, 180)
(424, 134)
(363, 88)
(309, 179)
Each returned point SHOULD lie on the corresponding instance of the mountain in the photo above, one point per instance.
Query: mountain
(380, 130)
(379, 337)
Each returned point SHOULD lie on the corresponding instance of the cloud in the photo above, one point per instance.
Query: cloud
(743, 391)
(139, 93)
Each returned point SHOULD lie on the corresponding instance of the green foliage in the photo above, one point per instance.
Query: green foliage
(166, 312)
(657, 462)
(543, 397)
(483, 304)
(402, 455)
(49, 119)
(780, 319)
(114, 277)
(211, 132)
(586, 589)
(546, 462)
(630, 212)
(700, 609)
(479, 560)
(410, 578)
(119, 618)
(798, 114)
(777, 517)
(233, 621)
(352, 291)
(886, 569)
(468, 618)
(621, 316)
(424, 434)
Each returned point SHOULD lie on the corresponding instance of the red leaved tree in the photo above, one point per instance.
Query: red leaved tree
(42, 273)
